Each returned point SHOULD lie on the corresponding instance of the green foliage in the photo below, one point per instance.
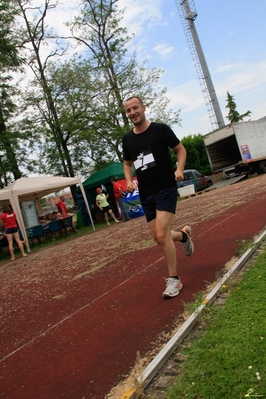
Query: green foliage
(193, 306)
(227, 359)
(243, 246)
(9, 62)
(8, 51)
(196, 154)
(233, 114)
(79, 118)
(118, 76)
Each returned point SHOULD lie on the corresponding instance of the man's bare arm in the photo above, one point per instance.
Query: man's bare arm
(128, 172)
(181, 158)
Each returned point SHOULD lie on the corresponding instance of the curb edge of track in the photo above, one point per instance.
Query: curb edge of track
(160, 359)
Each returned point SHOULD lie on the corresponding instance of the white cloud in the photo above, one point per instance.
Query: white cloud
(226, 67)
(164, 50)
(259, 112)
(186, 97)
(140, 15)
(160, 39)
(244, 81)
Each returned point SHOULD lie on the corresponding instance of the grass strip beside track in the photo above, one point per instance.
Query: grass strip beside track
(228, 359)
(224, 357)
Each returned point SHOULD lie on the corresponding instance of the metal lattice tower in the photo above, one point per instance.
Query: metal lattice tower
(188, 14)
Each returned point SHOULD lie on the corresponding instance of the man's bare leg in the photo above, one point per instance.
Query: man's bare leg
(160, 228)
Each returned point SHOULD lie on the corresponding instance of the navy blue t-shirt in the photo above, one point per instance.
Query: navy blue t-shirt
(149, 152)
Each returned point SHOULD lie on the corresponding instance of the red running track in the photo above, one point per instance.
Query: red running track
(74, 316)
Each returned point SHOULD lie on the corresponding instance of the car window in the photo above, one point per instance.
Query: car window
(188, 176)
(197, 174)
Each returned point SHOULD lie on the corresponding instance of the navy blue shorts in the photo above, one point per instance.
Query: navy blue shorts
(11, 230)
(163, 200)
(106, 209)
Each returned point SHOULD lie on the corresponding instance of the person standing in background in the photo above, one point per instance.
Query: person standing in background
(103, 205)
(119, 197)
(62, 207)
(12, 231)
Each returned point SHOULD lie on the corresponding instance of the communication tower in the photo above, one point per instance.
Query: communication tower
(188, 14)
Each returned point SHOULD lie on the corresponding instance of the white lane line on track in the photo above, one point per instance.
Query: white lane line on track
(221, 222)
(98, 298)
(75, 313)
(156, 364)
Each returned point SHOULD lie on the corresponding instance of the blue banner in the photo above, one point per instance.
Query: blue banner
(132, 196)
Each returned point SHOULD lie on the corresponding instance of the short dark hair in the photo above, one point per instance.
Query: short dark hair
(7, 209)
(113, 179)
(131, 98)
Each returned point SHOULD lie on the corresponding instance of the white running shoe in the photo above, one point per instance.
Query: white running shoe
(173, 286)
(188, 246)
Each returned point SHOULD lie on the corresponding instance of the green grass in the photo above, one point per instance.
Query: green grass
(190, 307)
(243, 246)
(228, 360)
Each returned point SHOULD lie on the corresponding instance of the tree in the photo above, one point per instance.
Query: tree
(73, 88)
(36, 36)
(72, 111)
(9, 61)
(197, 157)
(117, 76)
(233, 115)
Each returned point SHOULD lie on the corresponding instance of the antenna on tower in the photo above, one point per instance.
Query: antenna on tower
(188, 14)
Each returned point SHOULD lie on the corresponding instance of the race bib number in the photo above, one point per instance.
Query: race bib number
(144, 161)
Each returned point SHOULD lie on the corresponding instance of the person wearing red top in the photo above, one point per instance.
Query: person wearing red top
(119, 197)
(61, 207)
(10, 224)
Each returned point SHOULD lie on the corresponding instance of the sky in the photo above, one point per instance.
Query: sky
(232, 34)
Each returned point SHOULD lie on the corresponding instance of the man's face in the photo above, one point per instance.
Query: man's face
(135, 111)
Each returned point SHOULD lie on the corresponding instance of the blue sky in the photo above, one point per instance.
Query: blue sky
(233, 37)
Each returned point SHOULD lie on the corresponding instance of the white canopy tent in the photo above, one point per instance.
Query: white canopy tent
(34, 188)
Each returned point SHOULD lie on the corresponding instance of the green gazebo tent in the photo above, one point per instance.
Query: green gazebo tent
(103, 176)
